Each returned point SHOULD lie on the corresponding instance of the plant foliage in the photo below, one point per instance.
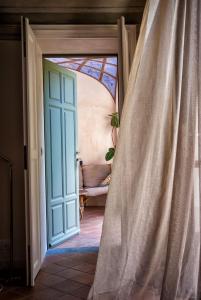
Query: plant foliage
(115, 123)
(115, 120)
(110, 154)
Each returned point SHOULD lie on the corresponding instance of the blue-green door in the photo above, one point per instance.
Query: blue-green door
(61, 149)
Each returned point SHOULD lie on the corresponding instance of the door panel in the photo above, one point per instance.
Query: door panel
(61, 147)
(32, 176)
(69, 90)
(56, 152)
(54, 86)
(57, 222)
(71, 212)
(69, 144)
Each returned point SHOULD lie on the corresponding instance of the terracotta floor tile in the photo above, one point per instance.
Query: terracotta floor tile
(52, 259)
(53, 268)
(69, 297)
(85, 267)
(70, 262)
(69, 273)
(47, 294)
(26, 291)
(66, 276)
(10, 295)
(91, 258)
(84, 278)
(81, 292)
(48, 279)
(67, 286)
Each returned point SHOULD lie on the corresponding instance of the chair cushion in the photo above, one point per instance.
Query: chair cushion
(93, 175)
(96, 191)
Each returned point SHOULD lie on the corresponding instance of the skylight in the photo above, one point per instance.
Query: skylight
(103, 69)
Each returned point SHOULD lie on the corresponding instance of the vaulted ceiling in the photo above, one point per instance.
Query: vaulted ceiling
(103, 69)
(72, 11)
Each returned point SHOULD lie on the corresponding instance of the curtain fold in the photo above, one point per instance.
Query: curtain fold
(150, 245)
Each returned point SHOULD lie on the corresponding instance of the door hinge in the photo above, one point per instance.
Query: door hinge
(25, 157)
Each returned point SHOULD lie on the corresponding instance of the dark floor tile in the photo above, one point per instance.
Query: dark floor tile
(85, 267)
(52, 259)
(69, 297)
(70, 261)
(9, 295)
(53, 268)
(81, 292)
(69, 273)
(84, 278)
(90, 258)
(67, 286)
(47, 294)
(65, 276)
(26, 291)
(48, 279)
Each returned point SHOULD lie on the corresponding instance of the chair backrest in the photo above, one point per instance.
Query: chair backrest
(93, 175)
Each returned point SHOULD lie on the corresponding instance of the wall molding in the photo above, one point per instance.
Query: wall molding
(76, 39)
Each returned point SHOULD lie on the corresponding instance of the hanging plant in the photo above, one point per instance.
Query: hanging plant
(115, 123)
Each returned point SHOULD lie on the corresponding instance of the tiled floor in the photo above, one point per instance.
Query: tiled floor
(65, 276)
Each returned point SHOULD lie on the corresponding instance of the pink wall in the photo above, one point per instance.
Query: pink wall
(94, 131)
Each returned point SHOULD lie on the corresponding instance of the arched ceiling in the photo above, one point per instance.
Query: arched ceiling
(103, 69)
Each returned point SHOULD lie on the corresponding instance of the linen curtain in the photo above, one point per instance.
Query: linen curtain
(150, 245)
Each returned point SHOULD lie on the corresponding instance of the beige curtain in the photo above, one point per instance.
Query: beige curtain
(150, 246)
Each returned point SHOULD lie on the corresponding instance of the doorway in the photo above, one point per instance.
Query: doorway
(82, 88)
(39, 40)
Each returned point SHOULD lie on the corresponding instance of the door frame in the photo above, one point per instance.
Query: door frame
(69, 40)
(119, 40)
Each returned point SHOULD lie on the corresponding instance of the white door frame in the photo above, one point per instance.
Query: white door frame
(70, 40)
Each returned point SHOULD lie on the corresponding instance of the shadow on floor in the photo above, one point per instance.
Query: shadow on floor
(66, 276)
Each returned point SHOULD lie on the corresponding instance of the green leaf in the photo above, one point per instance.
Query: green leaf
(115, 120)
(110, 154)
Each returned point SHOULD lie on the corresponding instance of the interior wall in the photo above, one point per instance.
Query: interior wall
(94, 130)
(11, 144)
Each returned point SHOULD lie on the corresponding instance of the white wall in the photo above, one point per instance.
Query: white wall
(94, 130)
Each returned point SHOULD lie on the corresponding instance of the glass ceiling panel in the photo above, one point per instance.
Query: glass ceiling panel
(112, 60)
(110, 69)
(94, 64)
(109, 82)
(103, 69)
(90, 71)
(70, 66)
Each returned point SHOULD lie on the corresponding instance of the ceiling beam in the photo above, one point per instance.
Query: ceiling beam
(71, 11)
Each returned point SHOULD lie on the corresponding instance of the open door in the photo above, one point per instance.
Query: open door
(32, 153)
(61, 149)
